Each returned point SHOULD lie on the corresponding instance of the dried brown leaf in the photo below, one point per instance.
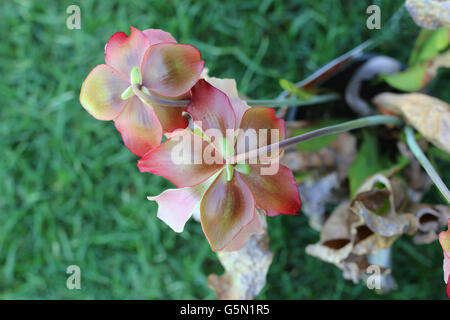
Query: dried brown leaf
(335, 239)
(430, 14)
(388, 223)
(245, 269)
(338, 155)
(429, 115)
(431, 219)
(317, 192)
(417, 179)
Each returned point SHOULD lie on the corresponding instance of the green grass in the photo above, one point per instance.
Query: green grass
(70, 192)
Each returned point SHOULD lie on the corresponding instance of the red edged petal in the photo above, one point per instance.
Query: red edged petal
(446, 268)
(171, 118)
(267, 127)
(225, 209)
(211, 109)
(228, 86)
(139, 126)
(444, 239)
(156, 36)
(276, 193)
(448, 286)
(171, 69)
(101, 91)
(254, 227)
(175, 206)
(180, 159)
(124, 52)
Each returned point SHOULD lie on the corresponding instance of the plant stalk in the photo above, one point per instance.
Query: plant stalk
(346, 126)
(425, 163)
(260, 103)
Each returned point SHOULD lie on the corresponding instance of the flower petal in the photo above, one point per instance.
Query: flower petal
(229, 87)
(180, 159)
(254, 227)
(171, 69)
(101, 91)
(258, 119)
(211, 109)
(157, 36)
(139, 126)
(225, 209)
(171, 118)
(448, 279)
(124, 52)
(444, 239)
(446, 269)
(276, 193)
(175, 206)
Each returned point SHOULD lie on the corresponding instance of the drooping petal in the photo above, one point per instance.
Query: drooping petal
(225, 209)
(156, 36)
(124, 52)
(447, 272)
(267, 127)
(446, 269)
(180, 159)
(139, 126)
(444, 239)
(171, 118)
(254, 227)
(175, 206)
(171, 69)
(101, 91)
(212, 110)
(229, 87)
(275, 193)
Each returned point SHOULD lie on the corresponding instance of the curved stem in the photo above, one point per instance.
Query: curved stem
(157, 100)
(418, 153)
(260, 103)
(346, 126)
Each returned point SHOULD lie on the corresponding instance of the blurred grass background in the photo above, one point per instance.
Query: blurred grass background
(70, 192)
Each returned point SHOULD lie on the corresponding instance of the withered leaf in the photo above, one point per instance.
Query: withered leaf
(431, 219)
(389, 223)
(245, 269)
(430, 14)
(338, 154)
(318, 191)
(429, 115)
(335, 239)
(416, 178)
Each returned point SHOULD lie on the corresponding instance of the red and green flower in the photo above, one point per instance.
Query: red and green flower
(150, 61)
(225, 194)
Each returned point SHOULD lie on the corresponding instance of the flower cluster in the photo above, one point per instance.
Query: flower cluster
(145, 74)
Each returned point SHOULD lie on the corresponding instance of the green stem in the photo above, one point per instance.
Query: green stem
(418, 153)
(260, 103)
(149, 99)
(346, 126)
(293, 102)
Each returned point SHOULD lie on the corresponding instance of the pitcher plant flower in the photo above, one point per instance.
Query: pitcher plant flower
(148, 62)
(225, 193)
(444, 239)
